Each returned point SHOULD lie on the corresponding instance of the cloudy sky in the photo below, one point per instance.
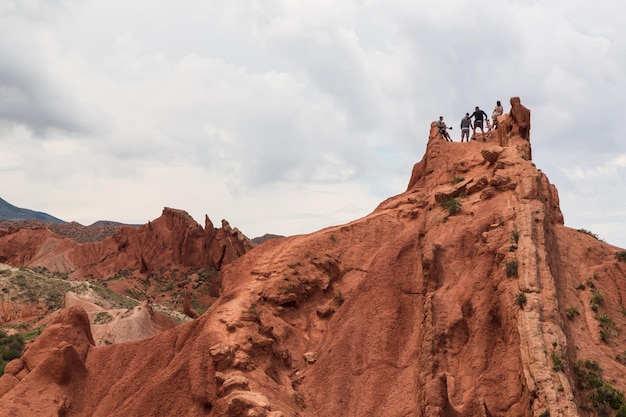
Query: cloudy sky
(287, 116)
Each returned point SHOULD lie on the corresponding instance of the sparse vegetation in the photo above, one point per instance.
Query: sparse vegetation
(601, 397)
(135, 293)
(11, 347)
(102, 318)
(32, 334)
(557, 362)
(621, 256)
(457, 180)
(621, 358)
(116, 299)
(581, 287)
(520, 299)
(546, 413)
(515, 236)
(607, 327)
(252, 310)
(33, 287)
(298, 398)
(339, 298)
(511, 268)
(596, 300)
(590, 233)
(199, 306)
(453, 205)
(572, 312)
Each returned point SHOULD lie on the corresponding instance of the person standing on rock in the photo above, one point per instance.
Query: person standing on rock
(478, 116)
(466, 125)
(443, 129)
(497, 111)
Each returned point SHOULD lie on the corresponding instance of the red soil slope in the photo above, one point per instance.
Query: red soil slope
(414, 310)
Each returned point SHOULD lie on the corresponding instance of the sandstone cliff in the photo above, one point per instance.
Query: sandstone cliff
(463, 296)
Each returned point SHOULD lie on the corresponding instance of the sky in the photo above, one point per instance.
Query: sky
(285, 116)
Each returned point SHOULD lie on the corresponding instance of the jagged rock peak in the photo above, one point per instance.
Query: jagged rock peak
(499, 161)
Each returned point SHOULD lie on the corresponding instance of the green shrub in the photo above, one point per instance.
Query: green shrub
(9, 355)
(605, 320)
(520, 299)
(572, 312)
(601, 397)
(339, 298)
(298, 398)
(557, 362)
(607, 326)
(11, 347)
(605, 334)
(621, 256)
(515, 236)
(453, 205)
(254, 312)
(511, 268)
(596, 300)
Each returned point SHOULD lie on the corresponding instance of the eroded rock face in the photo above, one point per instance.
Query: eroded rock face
(174, 238)
(413, 310)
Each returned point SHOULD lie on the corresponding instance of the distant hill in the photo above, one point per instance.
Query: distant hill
(264, 238)
(9, 212)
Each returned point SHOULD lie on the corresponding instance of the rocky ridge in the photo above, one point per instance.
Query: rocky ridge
(463, 296)
(75, 231)
(172, 239)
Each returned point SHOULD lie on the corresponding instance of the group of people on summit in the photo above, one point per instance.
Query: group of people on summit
(479, 117)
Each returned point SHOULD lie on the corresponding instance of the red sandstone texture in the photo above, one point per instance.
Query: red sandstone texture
(413, 310)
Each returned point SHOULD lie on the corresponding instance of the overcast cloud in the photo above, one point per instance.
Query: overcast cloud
(287, 116)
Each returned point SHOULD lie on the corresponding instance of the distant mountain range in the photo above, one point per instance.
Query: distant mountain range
(83, 234)
(8, 212)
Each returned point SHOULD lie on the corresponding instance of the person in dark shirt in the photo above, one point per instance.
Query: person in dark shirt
(478, 116)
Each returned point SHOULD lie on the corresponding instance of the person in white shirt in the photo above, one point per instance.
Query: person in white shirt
(497, 111)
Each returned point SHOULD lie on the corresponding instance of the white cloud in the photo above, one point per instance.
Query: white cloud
(283, 116)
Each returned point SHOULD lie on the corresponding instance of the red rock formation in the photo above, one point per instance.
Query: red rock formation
(463, 296)
(187, 307)
(520, 117)
(172, 239)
